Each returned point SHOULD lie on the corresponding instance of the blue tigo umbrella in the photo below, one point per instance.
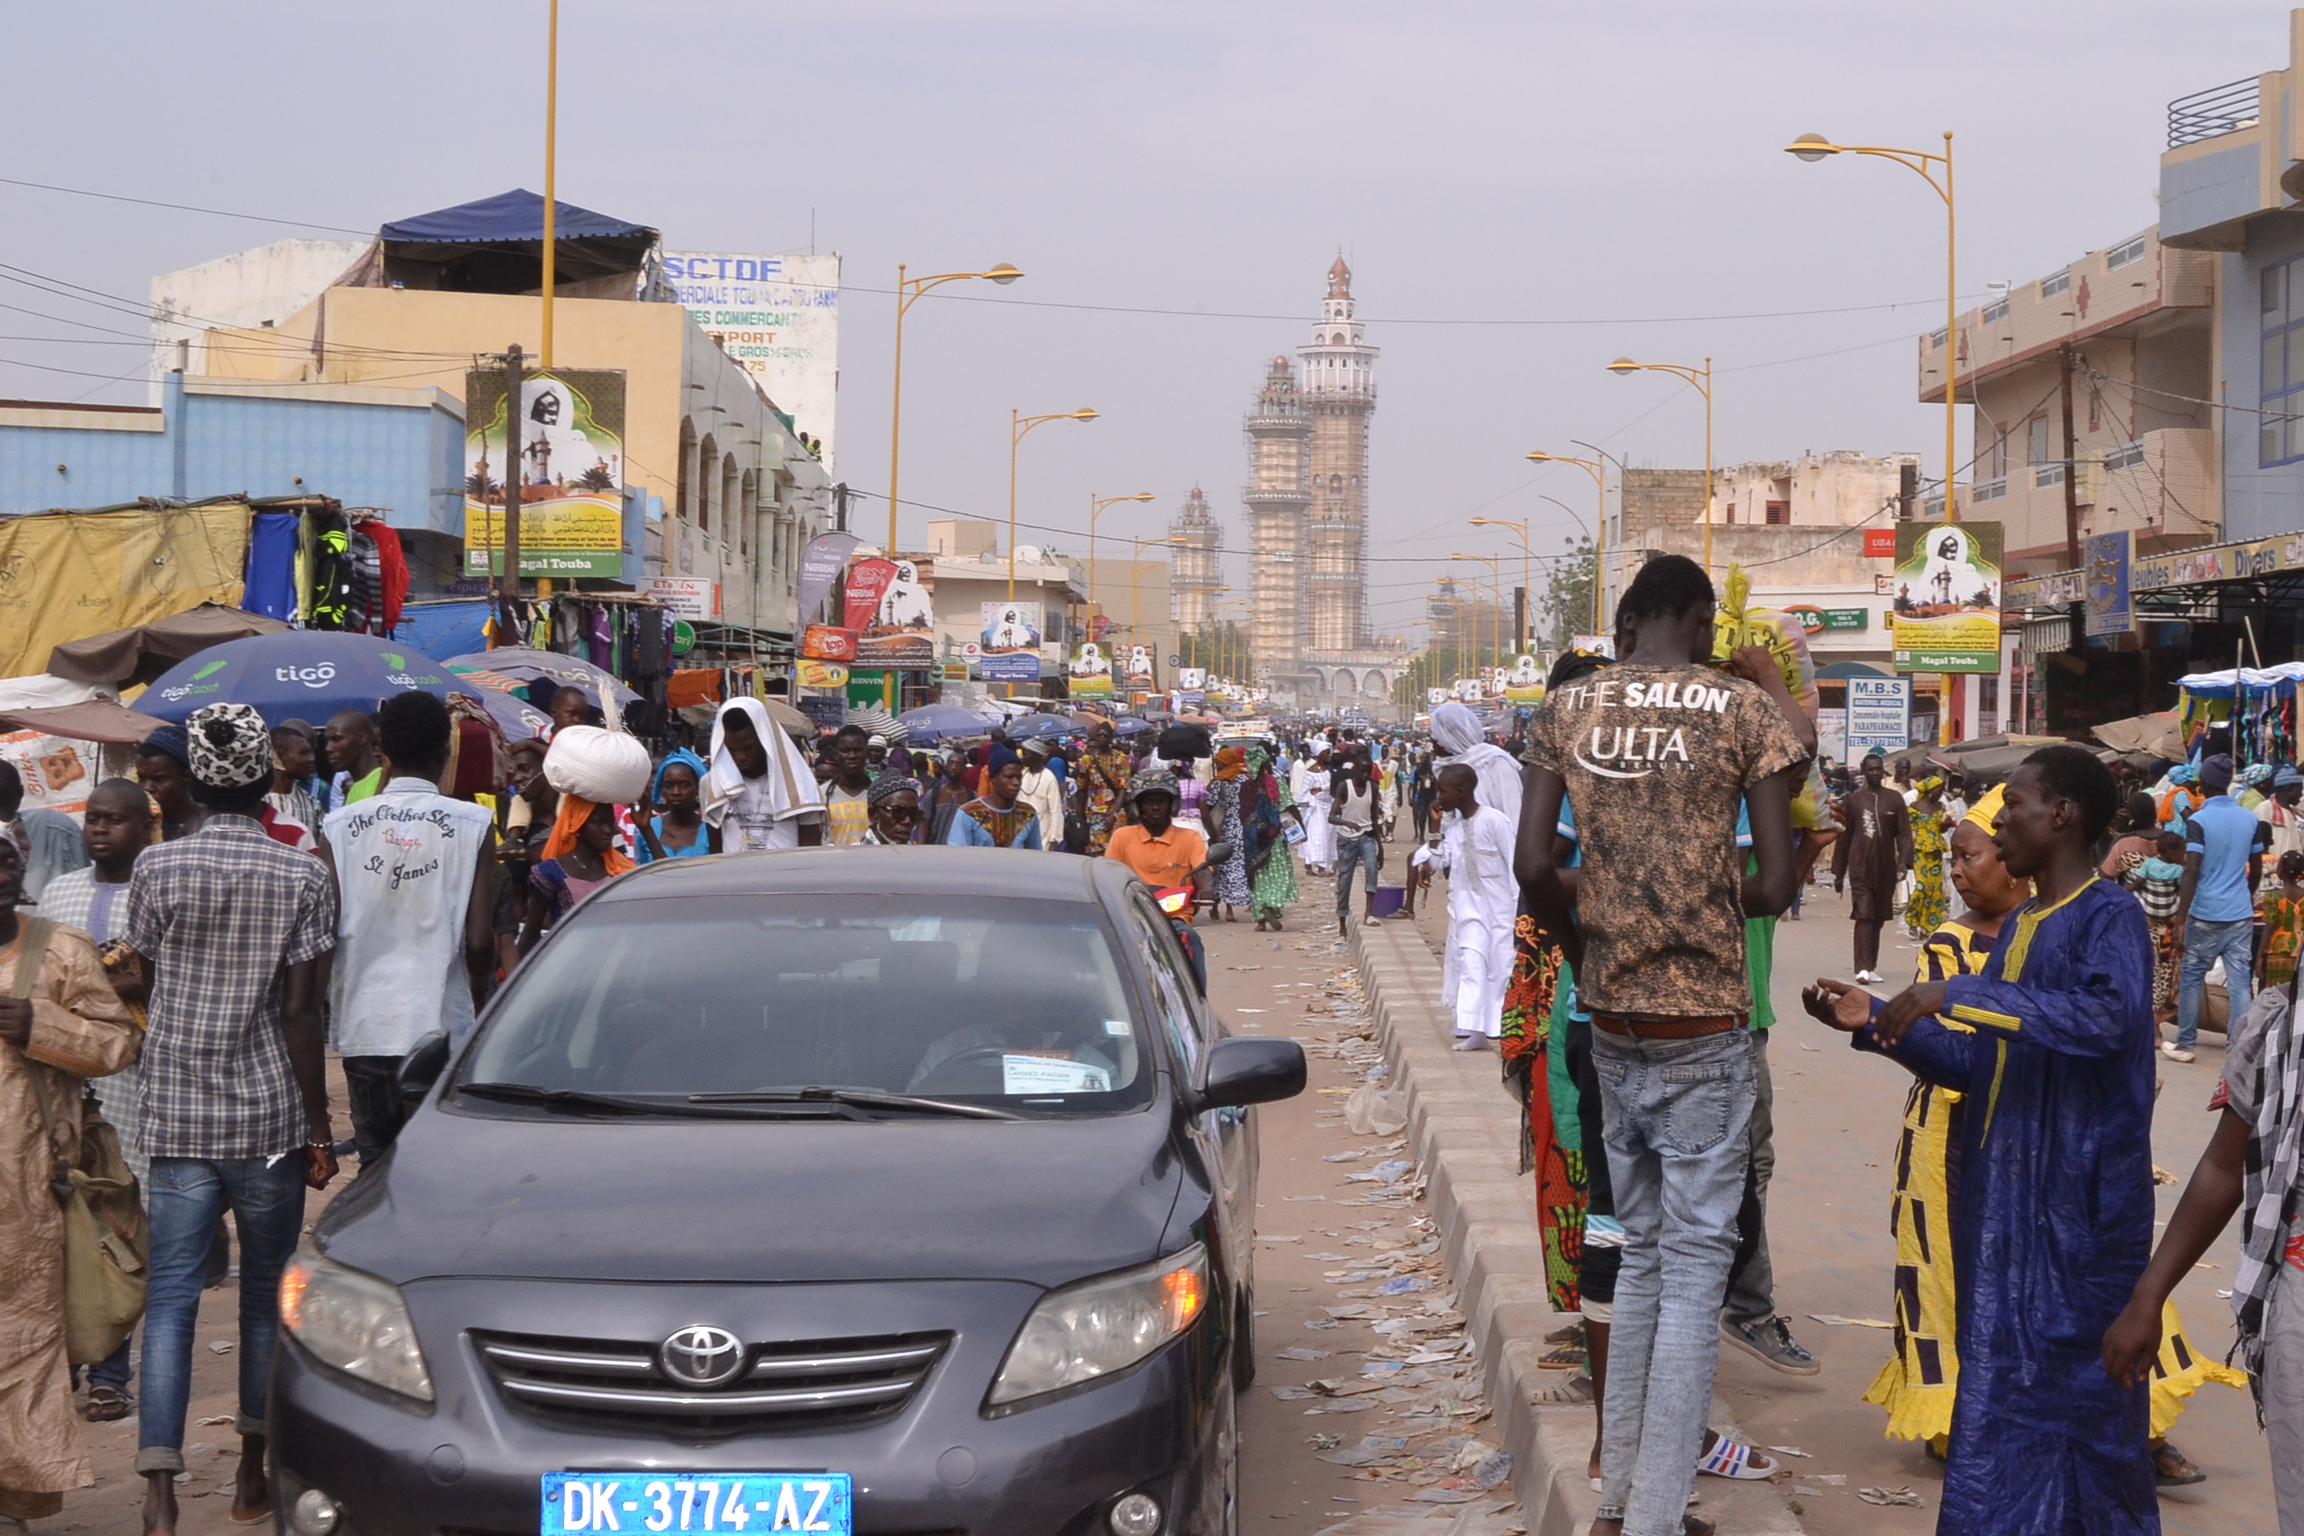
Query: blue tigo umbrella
(297, 674)
(1031, 726)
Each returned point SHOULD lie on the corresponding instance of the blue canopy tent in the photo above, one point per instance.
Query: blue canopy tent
(496, 245)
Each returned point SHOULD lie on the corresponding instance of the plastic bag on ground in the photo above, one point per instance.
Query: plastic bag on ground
(1370, 1111)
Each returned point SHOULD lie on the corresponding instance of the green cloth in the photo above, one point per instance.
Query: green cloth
(362, 789)
(1567, 1126)
(1759, 964)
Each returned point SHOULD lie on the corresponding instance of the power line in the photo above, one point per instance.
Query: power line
(148, 202)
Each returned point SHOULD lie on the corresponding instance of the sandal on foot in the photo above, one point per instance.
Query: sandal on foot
(2171, 1468)
(106, 1404)
(1565, 1357)
(1732, 1458)
(1572, 1334)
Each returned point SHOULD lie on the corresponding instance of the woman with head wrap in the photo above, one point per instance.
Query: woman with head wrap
(995, 819)
(2248, 787)
(760, 794)
(579, 858)
(1918, 1382)
(1264, 808)
(164, 768)
(1925, 911)
(678, 831)
(1220, 820)
(893, 805)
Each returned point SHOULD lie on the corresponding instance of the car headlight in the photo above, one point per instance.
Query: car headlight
(354, 1322)
(1099, 1326)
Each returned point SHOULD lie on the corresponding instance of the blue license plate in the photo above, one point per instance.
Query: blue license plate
(742, 1503)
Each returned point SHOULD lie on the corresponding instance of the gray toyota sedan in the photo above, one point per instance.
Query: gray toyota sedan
(860, 1191)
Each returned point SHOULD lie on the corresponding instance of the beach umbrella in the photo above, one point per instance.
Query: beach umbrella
(297, 674)
(1044, 725)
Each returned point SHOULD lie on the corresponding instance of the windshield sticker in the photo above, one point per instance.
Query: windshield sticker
(1046, 1074)
(1118, 1029)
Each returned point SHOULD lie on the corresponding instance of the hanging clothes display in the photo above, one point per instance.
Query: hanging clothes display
(328, 598)
(393, 561)
(271, 571)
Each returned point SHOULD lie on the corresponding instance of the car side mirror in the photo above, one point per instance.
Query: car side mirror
(421, 1068)
(1246, 1071)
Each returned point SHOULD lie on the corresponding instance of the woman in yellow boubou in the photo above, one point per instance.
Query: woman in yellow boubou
(1917, 1384)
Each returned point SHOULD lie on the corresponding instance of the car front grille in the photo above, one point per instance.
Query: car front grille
(791, 1385)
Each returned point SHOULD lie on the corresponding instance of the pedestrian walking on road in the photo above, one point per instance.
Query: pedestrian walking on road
(760, 794)
(1220, 821)
(845, 819)
(2215, 917)
(894, 803)
(2052, 1045)
(677, 830)
(2158, 883)
(1265, 808)
(232, 927)
(1930, 815)
(1658, 755)
(1043, 790)
(1483, 900)
(1360, 818)
(1870, 856)
(416, 917)
(996, 818)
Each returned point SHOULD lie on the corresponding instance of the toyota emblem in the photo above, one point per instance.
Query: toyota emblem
(701, 1356)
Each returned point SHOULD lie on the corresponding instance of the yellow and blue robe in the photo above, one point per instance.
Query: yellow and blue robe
(2052, 1216)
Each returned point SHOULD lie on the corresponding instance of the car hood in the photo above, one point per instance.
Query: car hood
(1043, 1201)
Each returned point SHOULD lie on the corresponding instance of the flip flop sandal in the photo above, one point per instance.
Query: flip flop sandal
(1732, 1458)
(106, 1404)
(2187, 1472)
(1572, 1334)
(1566, 1357)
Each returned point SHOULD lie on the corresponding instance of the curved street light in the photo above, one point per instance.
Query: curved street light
(1701, 378)
(908, 291)
(1017, 427)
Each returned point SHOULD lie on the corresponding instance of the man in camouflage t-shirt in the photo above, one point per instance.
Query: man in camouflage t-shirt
(1657, 754)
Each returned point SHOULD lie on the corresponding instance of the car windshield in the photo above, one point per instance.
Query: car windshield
(704, 1005)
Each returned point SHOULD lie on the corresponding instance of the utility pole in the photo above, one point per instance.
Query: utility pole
(2071, 467)
(840, 506)
(508, 600)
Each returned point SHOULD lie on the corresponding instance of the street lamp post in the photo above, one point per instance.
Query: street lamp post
(1495, 604)
(1017, 427)
(1096, 506)
(1597, 468)
(1518, 530)
(1135, 592)
(1814, 146)
(551, 157)
(908, 290)
(1701, 378)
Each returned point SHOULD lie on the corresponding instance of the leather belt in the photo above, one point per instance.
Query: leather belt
(1666, 1029)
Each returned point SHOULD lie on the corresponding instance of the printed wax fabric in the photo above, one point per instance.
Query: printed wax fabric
(2051, 1219)
(2283, 920)
(1535, 1031)
(1925, 912)
(1220, 812)
(1104, 775)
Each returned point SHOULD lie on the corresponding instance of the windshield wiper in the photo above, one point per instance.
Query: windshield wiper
(863, 1098)
(576, 1099)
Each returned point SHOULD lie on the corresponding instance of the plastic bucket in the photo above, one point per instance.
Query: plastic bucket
(1388, 899)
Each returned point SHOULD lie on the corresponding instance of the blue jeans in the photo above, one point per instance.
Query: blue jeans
(1351, 853)
(1678, 1117)
(2203, 942)
(185, 1196)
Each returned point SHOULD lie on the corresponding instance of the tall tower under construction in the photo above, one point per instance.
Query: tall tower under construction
(1192, 568)
(1339, 394)
(1278, 496)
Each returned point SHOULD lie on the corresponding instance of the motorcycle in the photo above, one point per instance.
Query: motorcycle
(1179, 900)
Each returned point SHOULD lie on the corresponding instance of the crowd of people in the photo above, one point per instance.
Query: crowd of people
(181, 964)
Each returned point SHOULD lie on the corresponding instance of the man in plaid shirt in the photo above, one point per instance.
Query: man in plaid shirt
(232, 928)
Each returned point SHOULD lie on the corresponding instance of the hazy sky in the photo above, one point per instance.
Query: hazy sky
(1608, 176)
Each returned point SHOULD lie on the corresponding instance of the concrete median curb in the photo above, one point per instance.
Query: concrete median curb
(1463, 1130)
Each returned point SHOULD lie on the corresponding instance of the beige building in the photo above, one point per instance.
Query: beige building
(1278, 501)
(2116, 349)
(1337, 374)
(740, 496)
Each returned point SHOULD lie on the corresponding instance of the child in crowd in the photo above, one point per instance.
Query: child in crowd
(2157, 882)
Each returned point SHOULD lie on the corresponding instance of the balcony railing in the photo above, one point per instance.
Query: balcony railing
(2212, 113)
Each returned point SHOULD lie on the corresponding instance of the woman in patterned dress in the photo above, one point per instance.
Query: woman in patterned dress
(1272, 872)
(1925, 912)
(2283, 920)
(1220, 818)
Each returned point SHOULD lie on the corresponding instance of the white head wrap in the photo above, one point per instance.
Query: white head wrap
(790, 784)
(1456, 732)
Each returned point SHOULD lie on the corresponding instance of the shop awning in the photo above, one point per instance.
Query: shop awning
(496, 245)
(122, 657)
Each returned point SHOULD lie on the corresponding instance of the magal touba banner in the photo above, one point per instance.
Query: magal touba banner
(571, 472)
(1945, 586)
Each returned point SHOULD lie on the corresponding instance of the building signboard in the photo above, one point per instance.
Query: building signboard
(900, 628)
(1847, 618)
(2104, 564)
(1946, 603)
(2280, 553)
(1010, 627)
(1091, 673)
(685, 597)
(821, 674)
(1880, 543)
(820, 566)
(1879, 716)
(777, 318)
(828, 642)
(1010, 667)
(571, 473)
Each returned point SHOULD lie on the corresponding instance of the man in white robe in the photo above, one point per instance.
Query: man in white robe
(1483, 899)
